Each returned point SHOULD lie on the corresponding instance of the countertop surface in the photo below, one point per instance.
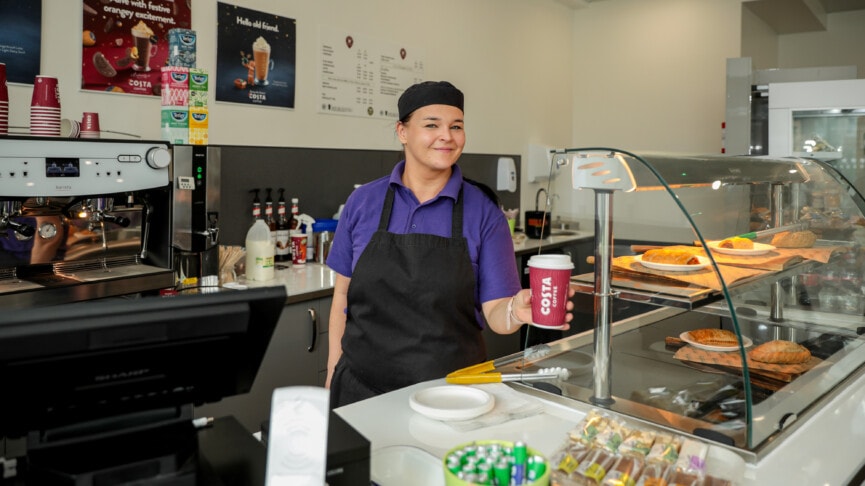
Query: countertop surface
(315, 280)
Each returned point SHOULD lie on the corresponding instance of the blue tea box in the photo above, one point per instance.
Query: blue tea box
(181, 47)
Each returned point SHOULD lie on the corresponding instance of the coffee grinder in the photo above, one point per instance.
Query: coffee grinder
(195, 210)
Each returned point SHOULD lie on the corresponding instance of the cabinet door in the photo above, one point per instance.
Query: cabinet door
(295, 357)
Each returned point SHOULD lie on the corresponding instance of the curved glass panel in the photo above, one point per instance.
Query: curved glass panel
(794, 279)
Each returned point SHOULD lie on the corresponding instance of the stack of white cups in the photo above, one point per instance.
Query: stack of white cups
(45, 107)
(4, 101)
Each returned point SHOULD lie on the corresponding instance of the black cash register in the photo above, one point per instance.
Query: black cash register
(102, 392)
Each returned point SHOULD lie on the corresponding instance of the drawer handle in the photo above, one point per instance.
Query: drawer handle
(313, 318)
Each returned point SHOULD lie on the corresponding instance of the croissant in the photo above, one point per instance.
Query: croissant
(737, 243)
(780, 352)
(671, 257)
(714, 337)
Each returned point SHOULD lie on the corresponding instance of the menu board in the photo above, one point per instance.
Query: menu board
(20, 39)
(364, 77)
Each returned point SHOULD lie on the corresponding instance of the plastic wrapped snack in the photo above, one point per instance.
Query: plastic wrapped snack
(624, 471)
(569, 458)
(680, 478)
(692, 457)
(637, 443)
(665, 450)
(594, 423)
(594, 466)
(612, 436)
(653, 475)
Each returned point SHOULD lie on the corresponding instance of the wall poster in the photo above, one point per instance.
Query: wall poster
(125, 43)
(255, 57)
(21, 39)
(364, 77)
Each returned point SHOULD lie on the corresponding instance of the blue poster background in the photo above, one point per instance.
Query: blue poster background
(237, 29)
(21, 39)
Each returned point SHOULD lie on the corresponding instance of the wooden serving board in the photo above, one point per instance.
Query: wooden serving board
(732, 361)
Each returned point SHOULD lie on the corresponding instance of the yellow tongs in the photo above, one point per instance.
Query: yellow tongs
(483, 372)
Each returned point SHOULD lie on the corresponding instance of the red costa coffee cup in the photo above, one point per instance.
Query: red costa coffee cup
(298, 247)
(46, 92)
(4, 90)
(549, 280)
(90, 122)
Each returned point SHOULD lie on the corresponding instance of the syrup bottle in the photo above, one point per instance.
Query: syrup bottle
(283, 245)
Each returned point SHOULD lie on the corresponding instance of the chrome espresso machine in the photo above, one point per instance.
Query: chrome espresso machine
(83, 219)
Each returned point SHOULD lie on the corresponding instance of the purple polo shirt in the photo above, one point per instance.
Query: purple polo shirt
(485, 228)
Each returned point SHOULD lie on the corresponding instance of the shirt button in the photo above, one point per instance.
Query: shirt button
(414, 226)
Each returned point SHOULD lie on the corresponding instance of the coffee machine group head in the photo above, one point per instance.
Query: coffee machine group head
(195, 226)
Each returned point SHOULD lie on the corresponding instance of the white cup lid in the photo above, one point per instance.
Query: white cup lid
(551, 261)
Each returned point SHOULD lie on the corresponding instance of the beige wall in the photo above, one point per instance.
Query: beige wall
(759, 41)
(498, 51)
(841, 44)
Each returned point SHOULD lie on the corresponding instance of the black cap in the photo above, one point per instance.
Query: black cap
(428, 93)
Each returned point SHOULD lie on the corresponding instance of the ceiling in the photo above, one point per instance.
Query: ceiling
(795, 16)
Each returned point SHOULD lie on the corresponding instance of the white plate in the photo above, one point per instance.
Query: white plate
(451, 402)
(704, 262)
(686, 336)
(759, 249)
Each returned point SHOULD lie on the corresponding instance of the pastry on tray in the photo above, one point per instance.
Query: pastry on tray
(780, 352)
(737, 243)
(714, 337)
(794, 239)
(670, 257)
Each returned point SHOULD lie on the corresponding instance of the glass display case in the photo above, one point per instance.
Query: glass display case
(836, 136)
(792, 280)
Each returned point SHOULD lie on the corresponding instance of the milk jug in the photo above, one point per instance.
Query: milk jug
(259, 252)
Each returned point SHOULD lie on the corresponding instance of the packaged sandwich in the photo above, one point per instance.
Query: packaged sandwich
(692, 457)
(653, 475)
(611, 437)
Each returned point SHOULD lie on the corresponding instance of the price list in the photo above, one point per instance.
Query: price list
(363, 77)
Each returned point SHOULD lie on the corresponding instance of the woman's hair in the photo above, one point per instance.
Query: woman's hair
(487, 190)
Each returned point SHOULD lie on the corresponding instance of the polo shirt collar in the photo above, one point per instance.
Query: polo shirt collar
(451, 189)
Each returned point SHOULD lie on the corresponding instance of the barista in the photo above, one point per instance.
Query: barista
(424, 260)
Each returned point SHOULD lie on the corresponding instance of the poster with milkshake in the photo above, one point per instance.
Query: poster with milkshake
(255, 57)
(125, 43)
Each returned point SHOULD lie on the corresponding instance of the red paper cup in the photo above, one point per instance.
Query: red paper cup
(46, 92)
(298, 247)
(90, 122)
(4, 90)
(549, 279)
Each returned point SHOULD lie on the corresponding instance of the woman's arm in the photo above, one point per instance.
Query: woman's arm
(496, 312)
(336, 324)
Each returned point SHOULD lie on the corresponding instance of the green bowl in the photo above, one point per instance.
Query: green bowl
(451, 479)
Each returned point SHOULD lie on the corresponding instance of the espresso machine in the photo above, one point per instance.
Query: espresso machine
(83, 219)
(195, 210)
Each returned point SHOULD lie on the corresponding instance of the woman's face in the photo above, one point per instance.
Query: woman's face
(433, 136)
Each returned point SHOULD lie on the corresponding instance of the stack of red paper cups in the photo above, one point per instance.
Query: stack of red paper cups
(45, 107)
(4, 101)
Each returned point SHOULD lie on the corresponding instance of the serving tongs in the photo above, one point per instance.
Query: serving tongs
(484, 372)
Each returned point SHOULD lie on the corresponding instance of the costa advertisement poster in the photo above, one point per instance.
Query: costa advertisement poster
(21, 39)
(255, 57)
(125, 43)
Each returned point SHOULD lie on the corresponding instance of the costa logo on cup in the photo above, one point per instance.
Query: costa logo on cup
(549, 279)
(548, 295)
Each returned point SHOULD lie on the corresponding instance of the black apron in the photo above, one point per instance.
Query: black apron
(411, 311)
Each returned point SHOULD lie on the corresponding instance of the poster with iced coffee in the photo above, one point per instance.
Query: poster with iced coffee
(255, 57)
(125, 43)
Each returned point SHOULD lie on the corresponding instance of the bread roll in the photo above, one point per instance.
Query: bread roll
(737, 243)
(780, 352)
(794, 239)
(714, 337)
(671, 257)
